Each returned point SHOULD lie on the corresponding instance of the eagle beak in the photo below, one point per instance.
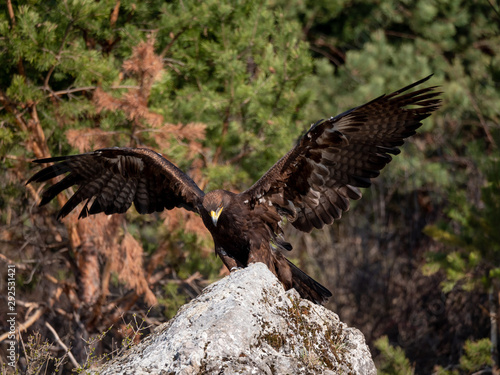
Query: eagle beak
(215, 215)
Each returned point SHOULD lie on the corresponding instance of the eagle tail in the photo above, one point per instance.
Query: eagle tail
(307, 287)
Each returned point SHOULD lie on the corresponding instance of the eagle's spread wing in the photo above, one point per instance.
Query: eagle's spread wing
(313, 183)
(116, 177)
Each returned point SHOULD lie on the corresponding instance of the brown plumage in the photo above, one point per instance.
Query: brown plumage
(310, 186)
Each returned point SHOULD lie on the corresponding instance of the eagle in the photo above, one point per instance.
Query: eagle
(309, 187)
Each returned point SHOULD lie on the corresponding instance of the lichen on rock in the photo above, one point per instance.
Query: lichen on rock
(247, 324)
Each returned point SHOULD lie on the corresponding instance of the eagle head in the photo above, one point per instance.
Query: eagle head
(214, 203)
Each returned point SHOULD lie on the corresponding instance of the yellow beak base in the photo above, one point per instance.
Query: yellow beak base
(215, 215)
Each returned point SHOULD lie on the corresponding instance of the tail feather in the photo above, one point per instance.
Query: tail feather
(307, 287)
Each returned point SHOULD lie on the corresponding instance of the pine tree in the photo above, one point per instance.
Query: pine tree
(223, 90)
(209, 84)
(473, 239)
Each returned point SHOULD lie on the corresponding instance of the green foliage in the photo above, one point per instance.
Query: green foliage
(476, 357)
(196, 261)
(241, 71)
(38, 354)
(377, 47)
(392, 359)
(173, 299)
(471, 233)
(257, 73)
(237, 69)
(442, 371)
(472, 242)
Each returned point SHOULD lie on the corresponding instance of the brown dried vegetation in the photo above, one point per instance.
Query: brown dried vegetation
(81, 269)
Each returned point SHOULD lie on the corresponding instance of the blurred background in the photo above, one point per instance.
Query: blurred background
(223, 89)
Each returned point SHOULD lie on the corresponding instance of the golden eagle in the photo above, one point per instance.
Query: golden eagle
(310, 186)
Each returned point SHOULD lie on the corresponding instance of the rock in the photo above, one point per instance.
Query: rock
(247, 324)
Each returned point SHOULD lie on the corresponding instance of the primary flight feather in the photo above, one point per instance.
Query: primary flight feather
(311, 185)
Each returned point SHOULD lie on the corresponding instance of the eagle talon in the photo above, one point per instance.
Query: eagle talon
(235, 269)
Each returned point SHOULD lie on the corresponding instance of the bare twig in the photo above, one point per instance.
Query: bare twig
(32, 319)
(400, 35)
(329, 56)
(24, 347)
(59, 341)
(6, 260)
(86, 88)
(243, 153)
(485, 371)
(225, 128)
(492, 7)
(481, 119)
(173, 61)
(11, 12)
(114, 14)
(10, 107)
(169, 45)
(28, 323)
(20, 66)
(58, 56)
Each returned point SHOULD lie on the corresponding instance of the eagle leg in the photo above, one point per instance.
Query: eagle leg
(230, 263)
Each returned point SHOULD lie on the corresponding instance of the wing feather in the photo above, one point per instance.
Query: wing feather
(114, 178)
(313, 183)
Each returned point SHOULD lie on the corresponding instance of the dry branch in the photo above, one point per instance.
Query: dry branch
(28, 323)
(59, 341)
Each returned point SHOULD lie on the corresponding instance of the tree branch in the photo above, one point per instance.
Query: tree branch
(59, 341)
(58, 56)
(20, 66)
(114, 14)
(28, 323)
(85, 88)
(169, 45)
(11, 13)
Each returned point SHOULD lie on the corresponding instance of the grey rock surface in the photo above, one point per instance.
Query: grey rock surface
(247, 324)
